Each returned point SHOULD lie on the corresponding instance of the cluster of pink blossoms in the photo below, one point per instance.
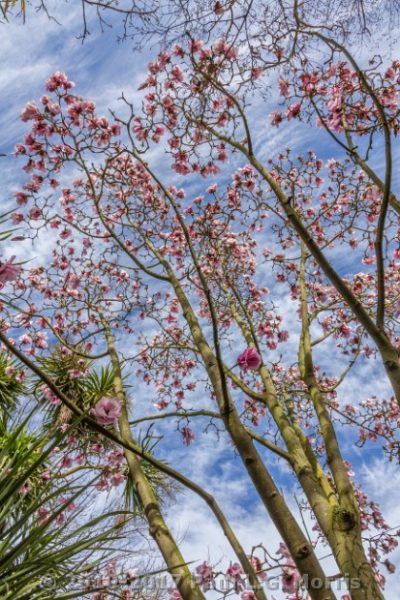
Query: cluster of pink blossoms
(113, 472)
(9, 271)
(107, 411)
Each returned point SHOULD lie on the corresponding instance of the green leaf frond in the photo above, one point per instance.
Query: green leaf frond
(84, 390)
(43, 558)
(11, 387)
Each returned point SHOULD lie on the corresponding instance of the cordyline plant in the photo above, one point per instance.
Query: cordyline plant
(50, 545)
(129, 246)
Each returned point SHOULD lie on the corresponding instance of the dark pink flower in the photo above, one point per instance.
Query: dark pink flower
(58, 80)
(43, 515)
(389, 565)
(116, 457)
(256, 562)
(117, 478)
(188, 435)
(293, 110)
(204, 576)
(8, 271)
(75, 373)
(21, 198)
(30, 112)
(234, 573)
(276, 118)
(290, 578)
(107, 411)
(249, 359)
(25, 489)
(248, 596)
(35, 214)
(73, 281)
(102, 485)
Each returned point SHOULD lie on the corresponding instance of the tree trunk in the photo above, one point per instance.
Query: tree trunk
(283, 519)
(293, 536)
(158, 528)
(353, 564)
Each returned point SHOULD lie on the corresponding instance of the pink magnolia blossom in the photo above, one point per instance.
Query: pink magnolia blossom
(248, 596)
(161, 404)
(75, 373)
(256, 562)
(111, 568)
(283, 87)
(188, 435)
(107, 411)
(43, 515)
(102, 485)
(66, 462)
(290, 578)
(46, 475)
(35, 214)
(116, 457)
(60, 519)
(196, 45)
(25, 488)
(204, 576)
(17, 218)
(21, 198)
(249, 359)
(234, 570)
(293, 110)
(131, 574)
(47, 393)
(117, 478)
(276, 118)
(234, 573)
(58, 80)
(9, 271)
(389, 565)
(30, 112)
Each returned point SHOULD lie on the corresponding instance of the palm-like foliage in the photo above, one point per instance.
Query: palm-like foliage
(11, 387)
(86, 391)
(40, 540)
(19, 451)
(6, 233)
(78, 380)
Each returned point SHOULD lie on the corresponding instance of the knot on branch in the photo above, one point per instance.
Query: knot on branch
(343, 520)
(157, 530)
(150, 507)
(302, 551)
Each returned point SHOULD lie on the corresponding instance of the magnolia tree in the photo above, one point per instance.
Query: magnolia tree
(224, 296)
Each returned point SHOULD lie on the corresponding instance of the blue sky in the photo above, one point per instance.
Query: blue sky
(102, 69)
